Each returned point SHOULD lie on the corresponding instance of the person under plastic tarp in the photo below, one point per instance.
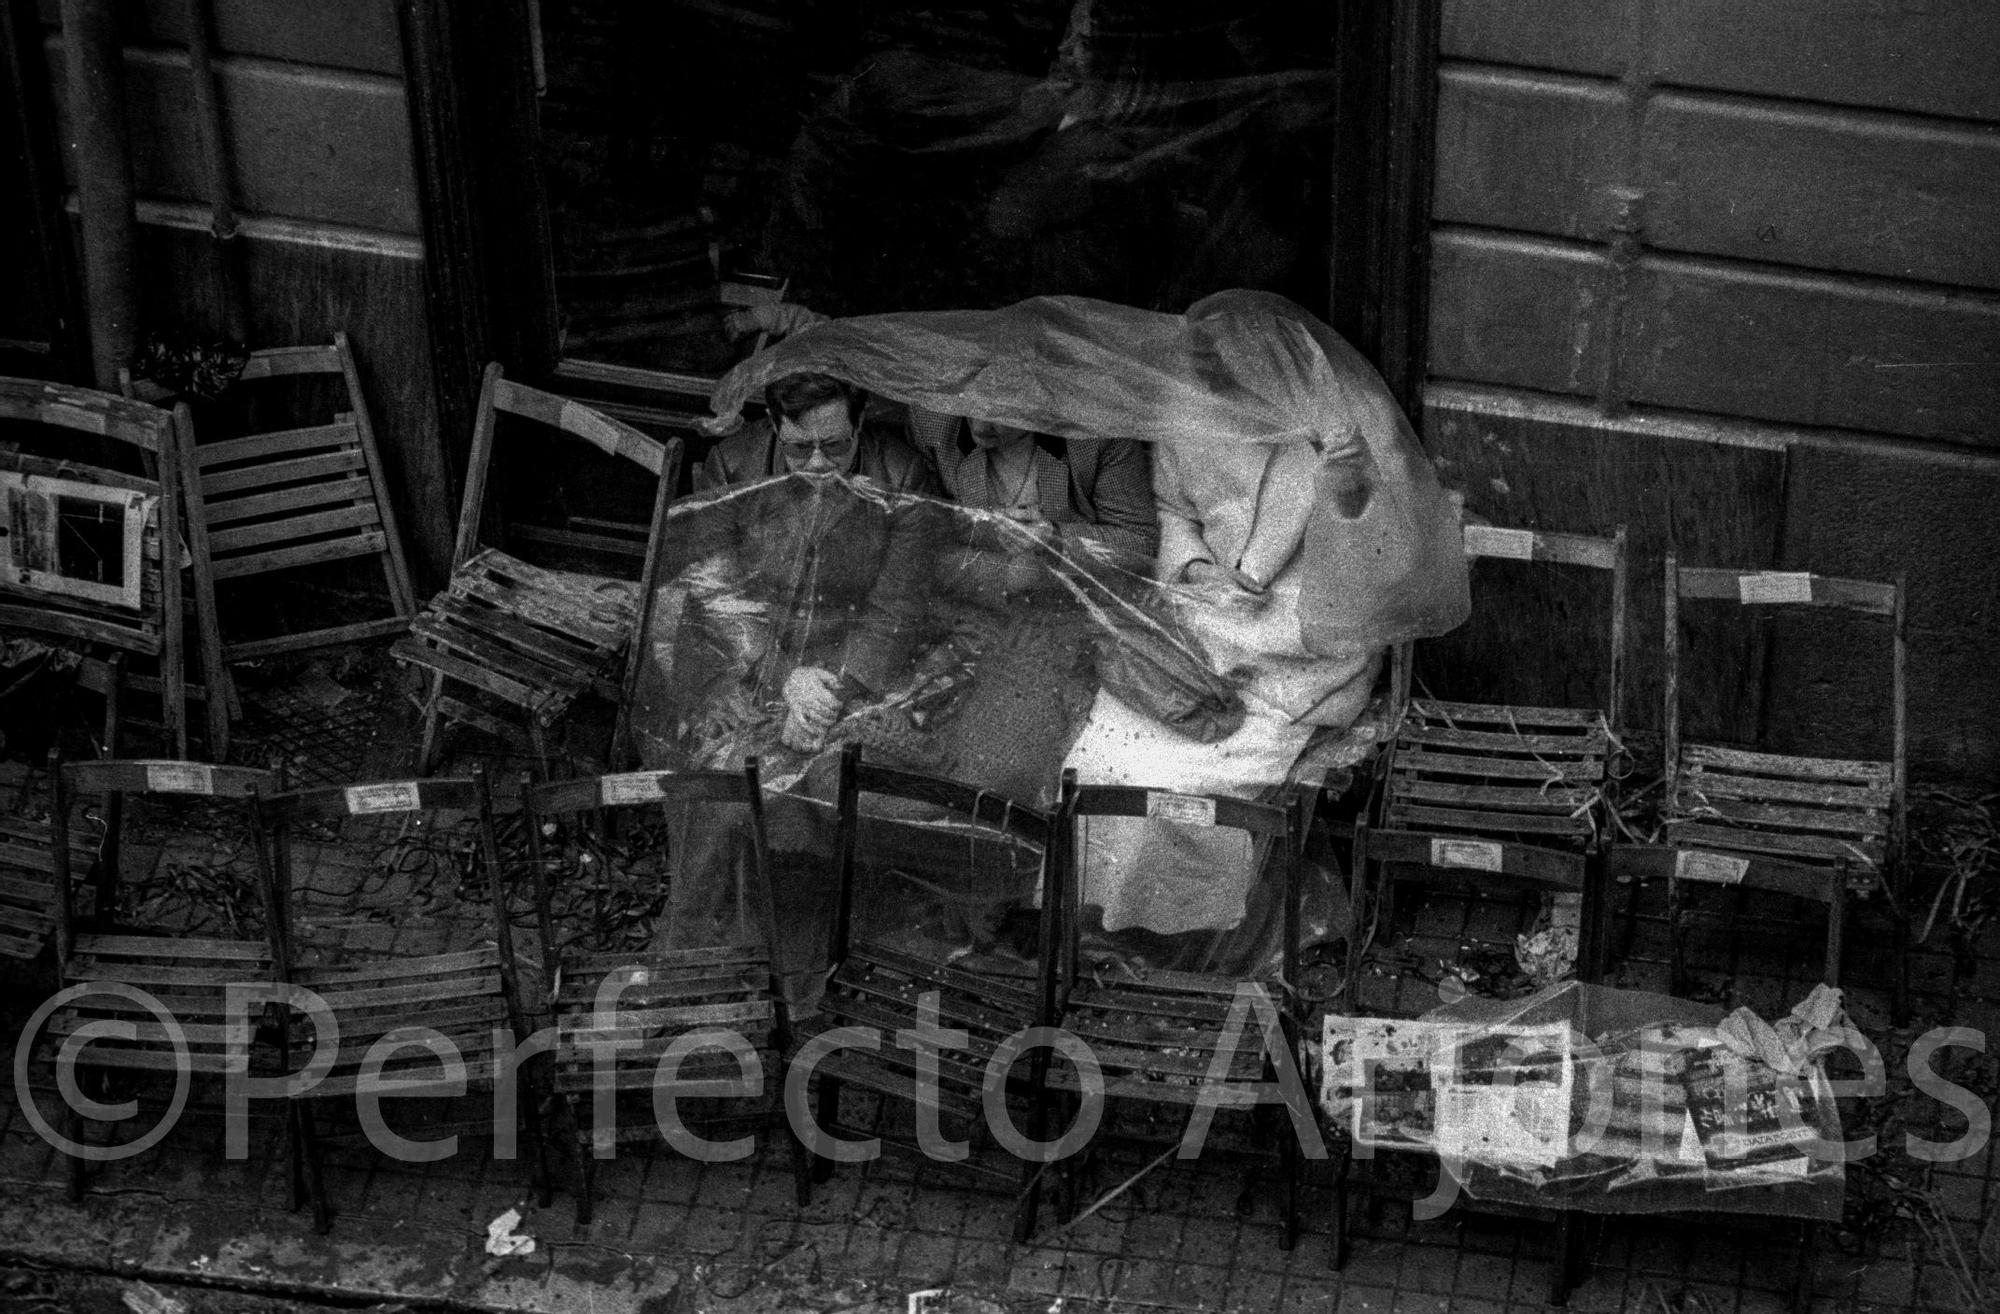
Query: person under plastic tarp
(822, 583)
(1288, 463)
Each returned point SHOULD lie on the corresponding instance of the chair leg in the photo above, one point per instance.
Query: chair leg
(1572, 1246)
(538, 741)
(586, 1169)
(1676, 964)
(1836, 930)
(826, 1113)
(1342, 1172)
(538, 1132)
(1808, 1266)
(315, 1167)
(73, 1128)
(1289, 1166)
(427, 741)
(1899, 999)
(1030, 1204)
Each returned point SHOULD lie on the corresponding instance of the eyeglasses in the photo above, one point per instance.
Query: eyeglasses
(831, 448)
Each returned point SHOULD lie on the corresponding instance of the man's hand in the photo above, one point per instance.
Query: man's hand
(1227, 589)
(812, 695)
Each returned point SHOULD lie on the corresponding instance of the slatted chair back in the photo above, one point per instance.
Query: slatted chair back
(145, 621)
(115, 973)
(115, 782)
(875, 984)
(1815, 828)
(617, 1013)
(469, 997)
(508, 641)
(278, 501)
(1524, 775)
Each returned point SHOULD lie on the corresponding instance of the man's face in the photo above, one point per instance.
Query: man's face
(993, 435)
(821, 441)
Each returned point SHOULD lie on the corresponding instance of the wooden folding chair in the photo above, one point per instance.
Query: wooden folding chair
(652, 999)
(1157, 1039)
(507, 641)
(1514, 793)
(42, 594)
(113, 973)
(1817, 829)
(1492, 794)
(389, 1011)
(874, 984)
(278, 501)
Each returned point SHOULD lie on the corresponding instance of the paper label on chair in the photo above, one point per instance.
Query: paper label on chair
(1490, 541)
(1480, 855)
(180, 778)
(1775, 586)
(1715, 868)
(632, 787)
(1190, 809)
(396, 796)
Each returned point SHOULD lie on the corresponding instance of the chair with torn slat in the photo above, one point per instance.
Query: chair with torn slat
(1165, 1039)
(269, 502)
(142, 619)
(912, 987)
(1818, 829)
(1487, 794)
(389, 1014)
(509, 644)
(619, 1013)
(108, 975)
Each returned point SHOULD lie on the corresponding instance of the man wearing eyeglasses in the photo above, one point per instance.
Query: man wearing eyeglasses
(841, 559)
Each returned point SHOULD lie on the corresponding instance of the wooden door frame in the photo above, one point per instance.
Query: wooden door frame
(1378, 276)
(30, 105)
(475, 135)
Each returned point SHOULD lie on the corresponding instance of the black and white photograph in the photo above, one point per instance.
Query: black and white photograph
(1000, 656)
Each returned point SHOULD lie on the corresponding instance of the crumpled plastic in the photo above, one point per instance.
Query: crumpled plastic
(1815, 1026)
(1588, 1098)
(1378, 559)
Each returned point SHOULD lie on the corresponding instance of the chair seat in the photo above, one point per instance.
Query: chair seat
(188, 977)
(1530, 774)
(535, 639)
(654, 999)
(458, 996)
(881, 987)
(1805, 812)
(1157, 1040)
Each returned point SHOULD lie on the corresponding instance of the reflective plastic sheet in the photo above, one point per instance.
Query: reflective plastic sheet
(1591, 1098)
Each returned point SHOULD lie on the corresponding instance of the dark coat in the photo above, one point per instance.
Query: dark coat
(843, 563)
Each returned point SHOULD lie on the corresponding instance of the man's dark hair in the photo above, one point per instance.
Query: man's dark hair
(795, 394)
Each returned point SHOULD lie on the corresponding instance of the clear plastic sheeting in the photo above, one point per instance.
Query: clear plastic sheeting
(1264, 420)
(979, 652)
(1589, 1098)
